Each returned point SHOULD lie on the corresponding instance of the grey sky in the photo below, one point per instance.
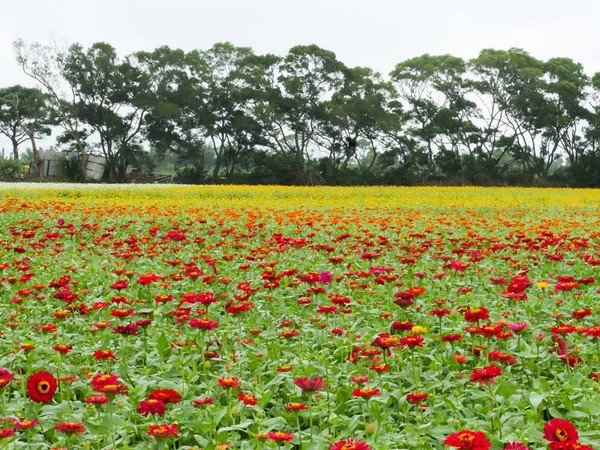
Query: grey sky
(374, 33)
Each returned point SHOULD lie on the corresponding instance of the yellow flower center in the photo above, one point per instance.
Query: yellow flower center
(43, 387)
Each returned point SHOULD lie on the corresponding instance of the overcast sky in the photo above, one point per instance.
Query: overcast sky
(374, 33)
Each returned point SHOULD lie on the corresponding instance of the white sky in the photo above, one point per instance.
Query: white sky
(374, 33)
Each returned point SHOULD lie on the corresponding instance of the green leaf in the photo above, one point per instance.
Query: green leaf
(536, 398)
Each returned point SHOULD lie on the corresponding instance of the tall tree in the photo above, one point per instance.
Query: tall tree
(44, 64)
(433, 90)
(112, 97)
(510, 85)
(25, 116)
(291, 109)
(231, 128)
(357, 118)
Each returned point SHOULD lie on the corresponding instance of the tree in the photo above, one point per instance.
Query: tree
(510, 87)
(356, 120)
(230, 127)
(44, 64)
(565, 113)
(112, 97)
(433, 90)
(25, 116)
(293, 104)
(177, 113)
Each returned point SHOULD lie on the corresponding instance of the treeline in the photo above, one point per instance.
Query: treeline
(229, 115)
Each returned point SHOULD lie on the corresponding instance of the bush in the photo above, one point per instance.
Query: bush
(9, 169)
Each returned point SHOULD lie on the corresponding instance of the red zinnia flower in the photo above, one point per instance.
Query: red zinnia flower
(203, 401)
(468, 440)
(163, 430)
(515, 446)
(486, 374)
(25, 424)
(560, 430)
(70, 428)
(165, 395)
(41, 387)
(151, 406)
(229, 382)
(384, 340)
(203, 324)
(62, 348)
(104, 354)
(366, 392)
(6, 433)
(350, 444)
(310, 384)
(247, 398)
(97, 399)
(416, 397)
(5, 377)
(278, 436)
(477, 314)
(412, 341)
(108, 384)
(296, 406)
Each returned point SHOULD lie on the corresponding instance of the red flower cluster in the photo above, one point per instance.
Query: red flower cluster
(108, 384)
(563, 436)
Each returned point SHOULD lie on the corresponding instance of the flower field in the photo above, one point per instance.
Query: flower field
(143, 317)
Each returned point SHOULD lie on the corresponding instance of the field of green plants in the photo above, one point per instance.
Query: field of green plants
(299, 318)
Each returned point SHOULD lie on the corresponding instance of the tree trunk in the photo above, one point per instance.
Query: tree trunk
(37, 159)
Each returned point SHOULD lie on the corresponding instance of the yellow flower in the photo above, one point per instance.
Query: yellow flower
(418, 329)
(543, 284)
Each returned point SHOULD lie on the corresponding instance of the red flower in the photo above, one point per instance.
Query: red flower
(108, 384)
(350, 444)
(310, 384)
(486, 374)
(412, 341)
(247, 398)
(165, 395)
(5, 377)
(163, 430)
(515, 446)
(6, 433)
(278, 436)
(416, 397)
(41, 387)
(296, 406)
(560, 430)
(203, 324)
(229, 382)
(119, 284)
(468, 440)
(70, 428)
(366, 392)
(384, 340)
(203, 401)
(104, 354)
(477, 314)
(97, 399)
(62, 348)
(151, 406)
(25, 424)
